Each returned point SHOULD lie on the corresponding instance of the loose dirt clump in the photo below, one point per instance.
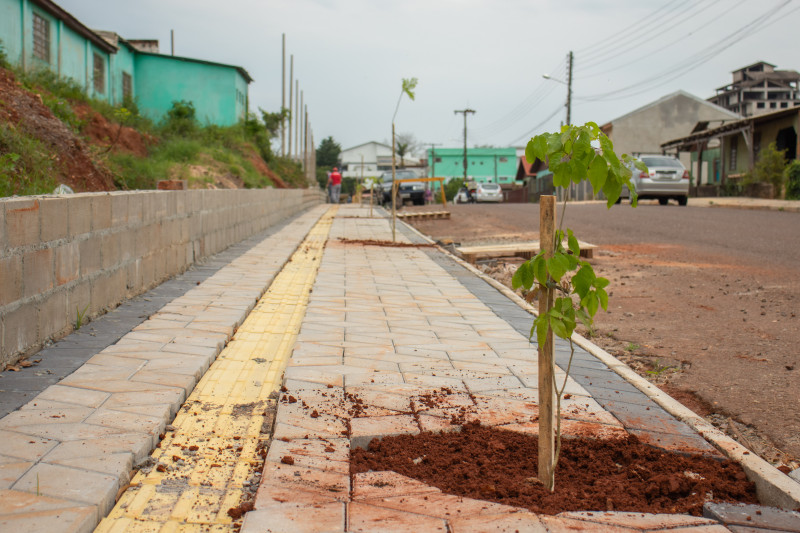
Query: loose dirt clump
(592, 475)
(102, 132)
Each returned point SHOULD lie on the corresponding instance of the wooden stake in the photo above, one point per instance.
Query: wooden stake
(547, 414)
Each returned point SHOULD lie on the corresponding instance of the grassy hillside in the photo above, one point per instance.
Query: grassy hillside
(51, 133)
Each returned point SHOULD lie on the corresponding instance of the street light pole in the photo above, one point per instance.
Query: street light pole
(568, 83)
(465, 112)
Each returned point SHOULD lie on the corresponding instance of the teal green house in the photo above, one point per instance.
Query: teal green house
(38, 34)
(484, 165)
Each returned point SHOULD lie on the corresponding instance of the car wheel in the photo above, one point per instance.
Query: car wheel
(683, 200)
(663, 201)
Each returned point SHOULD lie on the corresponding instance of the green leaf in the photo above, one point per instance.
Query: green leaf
(554, 143)
(600, 283)
(536, 149)
(603, 297)
(584, 318)
(612, 189)
(527, 275)
(590, 303)
(541, 324)
(582, 280)
(557, 266)
(516, 279)
(409, 84)
(558, 327)
(598, 173)
(608, 151)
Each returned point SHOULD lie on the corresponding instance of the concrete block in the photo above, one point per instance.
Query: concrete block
(54, 213)
(127, 245)
(79, 215)
(67, 263)
(54, 319)
(37, 272)
(134, 208)
(19, 332)
(148, 207)
(134, 277)
(22, 222)
(159, 200)
(79, 298)
(119, 209)
(101, 212)
(148, 270)
(10, 279)
(172, 202)
(3, 233)
(90, 256)
(109, 250)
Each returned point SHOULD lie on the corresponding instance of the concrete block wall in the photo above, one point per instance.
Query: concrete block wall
(61, 256)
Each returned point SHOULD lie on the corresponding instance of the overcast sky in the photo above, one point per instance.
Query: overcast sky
(350, 56)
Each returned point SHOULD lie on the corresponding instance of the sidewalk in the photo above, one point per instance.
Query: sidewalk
(376, 325)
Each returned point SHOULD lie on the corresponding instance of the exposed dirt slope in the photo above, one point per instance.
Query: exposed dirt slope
(25, 110)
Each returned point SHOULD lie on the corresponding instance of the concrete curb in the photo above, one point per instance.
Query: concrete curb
(772, 486)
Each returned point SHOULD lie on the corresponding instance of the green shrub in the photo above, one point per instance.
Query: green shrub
(25, 164)
(3, 56)
(792, 174)
(769, 168)
(180, 120)
(60, 87)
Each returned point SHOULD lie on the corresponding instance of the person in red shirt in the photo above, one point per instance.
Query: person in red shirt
(335, 185)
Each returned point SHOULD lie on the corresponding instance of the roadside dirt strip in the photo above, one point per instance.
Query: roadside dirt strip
(207, 467)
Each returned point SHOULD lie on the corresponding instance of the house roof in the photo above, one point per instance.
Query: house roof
(365, 144)
(728, 127)
(670, 97)
(241, 70)
(755, 78)
(75, 25)
(753, 65)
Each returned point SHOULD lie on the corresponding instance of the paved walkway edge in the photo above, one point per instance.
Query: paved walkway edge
(772, 486)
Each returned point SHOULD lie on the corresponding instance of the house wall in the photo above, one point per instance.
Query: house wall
(161, 79)
(63, 255)
(498, 165)
(122, 61)
(71, 55)
(646, 130)
(351, 160)
(768, 132)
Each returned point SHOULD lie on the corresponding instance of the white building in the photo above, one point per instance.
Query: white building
(372, 157)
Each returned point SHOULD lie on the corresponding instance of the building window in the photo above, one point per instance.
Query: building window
(732, 162)
(99, 73)
(127, 86)
(504, 160)
(784, 105)
(41, 38)
(773, 105)
(438, 159)
(760, 105)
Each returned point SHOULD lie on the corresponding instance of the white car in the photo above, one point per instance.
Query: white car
(489, 192)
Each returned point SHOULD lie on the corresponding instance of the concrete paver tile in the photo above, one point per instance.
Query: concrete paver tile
(514, 522)
(328, 518)
(646, 521)
(107, 359)
(170, 396)
(79, 519)
(377, 485)
(111, 418)
(559, 524)
(268, 494)
(71, 483)
(315, 375)
(373, 397)
(479, 384)
(364, 430)
(434, 381)
(24, 446)
(444, 506)
(27, 417)
(369, 518)
(137, 444)
(10, 472)
(753, 516)
(170, 379)
(328, 484)
(118, 465)
(70, 431)
(313, 453)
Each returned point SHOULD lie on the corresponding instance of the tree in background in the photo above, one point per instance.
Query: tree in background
(327, 158)
(769, 168)
(406, 145)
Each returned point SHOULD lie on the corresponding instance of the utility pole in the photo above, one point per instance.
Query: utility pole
(305, 140)
(283, 94)
(465, 112)
(300, 127)
(291, 109)
(296, 115)
(172, 42)
(569, 90)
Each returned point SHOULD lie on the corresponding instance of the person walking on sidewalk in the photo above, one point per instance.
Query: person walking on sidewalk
(335, 184)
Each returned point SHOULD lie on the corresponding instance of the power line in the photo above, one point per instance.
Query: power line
(539, 125)
(692, 62)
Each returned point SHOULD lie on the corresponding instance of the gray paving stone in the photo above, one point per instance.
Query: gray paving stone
(753, 516)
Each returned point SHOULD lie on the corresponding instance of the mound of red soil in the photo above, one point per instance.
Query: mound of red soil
(26, 111)
(100, 131)
(592, 475)
(264, 170)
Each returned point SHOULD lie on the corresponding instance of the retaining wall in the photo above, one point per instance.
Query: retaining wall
(63, 255)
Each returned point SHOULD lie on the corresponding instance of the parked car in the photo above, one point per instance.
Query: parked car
(489, 192)
(414, 191)
(666, 178)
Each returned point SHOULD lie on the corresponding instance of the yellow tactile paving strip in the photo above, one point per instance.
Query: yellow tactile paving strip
(203, 464)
